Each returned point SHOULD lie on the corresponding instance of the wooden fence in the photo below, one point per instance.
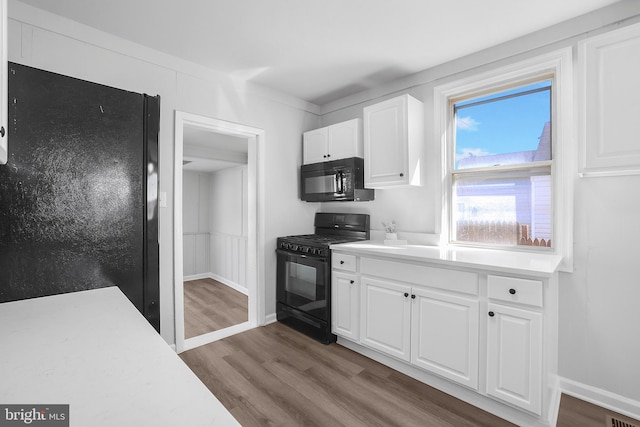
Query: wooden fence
(502, 232)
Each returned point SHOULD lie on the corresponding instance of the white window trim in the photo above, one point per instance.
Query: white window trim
(560, 64)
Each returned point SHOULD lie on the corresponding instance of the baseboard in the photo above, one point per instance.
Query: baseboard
(270, 318)
(603, 398)
(229, 283)
(220, 279)
(196, 277)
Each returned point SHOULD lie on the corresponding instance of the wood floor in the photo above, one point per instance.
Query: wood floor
(210, 306)
(575, 412)
(274, 376)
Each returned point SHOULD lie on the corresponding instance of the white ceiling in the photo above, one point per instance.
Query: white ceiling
(319, 50)
(194, 136)
(198, 164)
(208, 151)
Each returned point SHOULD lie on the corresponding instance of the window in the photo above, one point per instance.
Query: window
(501, 174)
(478, 187)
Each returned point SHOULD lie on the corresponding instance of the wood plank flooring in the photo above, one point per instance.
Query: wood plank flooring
(210, 306)
(575, 412)
(275, 376)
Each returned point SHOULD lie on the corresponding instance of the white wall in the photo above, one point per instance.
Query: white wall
(196, 224)
(599, 315)
(42, 40)
(214, 217)
(228, 224)
(229, 201)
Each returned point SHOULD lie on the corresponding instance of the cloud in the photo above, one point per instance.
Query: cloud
(471, 152)
(467, 123)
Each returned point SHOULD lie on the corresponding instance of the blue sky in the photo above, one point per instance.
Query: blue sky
(505, 126)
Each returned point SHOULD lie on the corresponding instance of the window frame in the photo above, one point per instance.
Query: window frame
(557, 66)
(497, 172)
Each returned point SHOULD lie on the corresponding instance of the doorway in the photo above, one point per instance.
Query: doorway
(187, 125)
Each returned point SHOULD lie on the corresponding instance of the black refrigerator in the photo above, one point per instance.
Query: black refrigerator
(78, 195)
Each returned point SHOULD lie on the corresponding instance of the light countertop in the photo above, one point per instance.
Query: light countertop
(486, 259)
(94, 351)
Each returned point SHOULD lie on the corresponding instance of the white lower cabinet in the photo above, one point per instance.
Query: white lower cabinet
(345, 305)
(386, 317)
(514, 356)
(444, 332)
(492, 333)
(435, 331)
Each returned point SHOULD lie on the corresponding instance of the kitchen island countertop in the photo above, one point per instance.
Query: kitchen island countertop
(94, 351)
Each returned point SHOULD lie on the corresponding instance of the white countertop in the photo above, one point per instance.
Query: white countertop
(94, 351)
(486, 259)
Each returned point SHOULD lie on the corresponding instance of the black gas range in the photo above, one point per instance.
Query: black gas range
(303, 287)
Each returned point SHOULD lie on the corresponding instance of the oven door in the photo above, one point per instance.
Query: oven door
(303, 283)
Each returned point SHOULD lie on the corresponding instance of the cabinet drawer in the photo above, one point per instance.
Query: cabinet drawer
(343, 262)
(441, 278)
(510, 289)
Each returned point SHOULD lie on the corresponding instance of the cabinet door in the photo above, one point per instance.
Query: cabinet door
(611, 64)
(385, 143)
(345, 305)
(444, 331)
(345, 140)
(386, 317)
(314, 146)
(514, 356)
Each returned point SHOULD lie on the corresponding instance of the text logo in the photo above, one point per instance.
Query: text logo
(34, 415)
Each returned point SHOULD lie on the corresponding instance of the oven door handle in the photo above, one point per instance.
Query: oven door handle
(294, 255)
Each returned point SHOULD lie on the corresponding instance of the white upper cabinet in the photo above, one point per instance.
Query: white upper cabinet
(394, 143)
(314, 146)
(610, 65)
(338, 141)
(345, 140)
(4, 128)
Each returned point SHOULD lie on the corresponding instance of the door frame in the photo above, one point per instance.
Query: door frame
(255, 229)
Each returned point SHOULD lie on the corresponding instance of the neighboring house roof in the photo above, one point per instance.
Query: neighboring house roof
(543, 152)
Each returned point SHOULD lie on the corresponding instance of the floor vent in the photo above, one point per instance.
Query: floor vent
(615, 422)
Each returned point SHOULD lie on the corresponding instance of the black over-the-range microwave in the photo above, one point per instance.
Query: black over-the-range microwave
(337, 180)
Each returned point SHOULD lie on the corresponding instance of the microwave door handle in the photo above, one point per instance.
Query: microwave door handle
(340, 180)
